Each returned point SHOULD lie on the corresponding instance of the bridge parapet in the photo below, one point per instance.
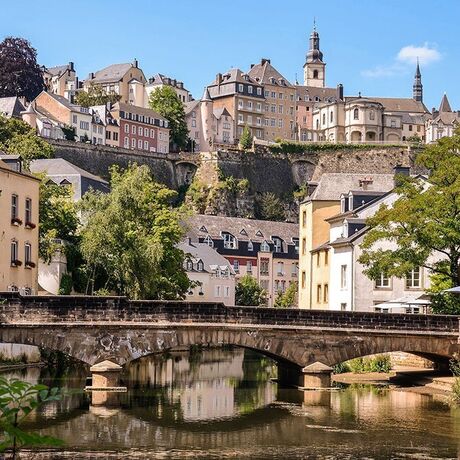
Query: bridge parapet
(15, 308)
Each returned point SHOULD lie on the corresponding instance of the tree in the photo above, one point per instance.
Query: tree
(246, 138)
(17, 137)
(20, 75)
(423, 224)
(270, 207)
(58, 218)
(96, 95)
(17, 400)
(249, 293)
(288, 298)
(166, 102)
(131, 235)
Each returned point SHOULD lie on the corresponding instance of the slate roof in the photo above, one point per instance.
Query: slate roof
(321, 93)
(401, 104)
(445, 106)
(332, 185)
(112, 73)
(61, 167)
(139, 110)
(58, 70)
(243, 229)
(235, 75)
(11, 107)
(264, 72)
(209, 256)
(190, 106)
(221, 111)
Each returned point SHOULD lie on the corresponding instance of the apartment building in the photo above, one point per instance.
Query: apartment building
(61, 80)
(279, 106)
(159, 80)
(266, 250)
(140, 128)
(243, 98)
(213, 274)
(19, 202)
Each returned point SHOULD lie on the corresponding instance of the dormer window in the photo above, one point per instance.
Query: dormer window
(208, 240)
(278, 244)
(250, 246)
(343, 204)
(345, 229)
(265, 247)
(350, 202)
(189, 265)
(200, 266)
(230, 242)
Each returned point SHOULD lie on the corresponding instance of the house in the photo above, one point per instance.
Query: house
(11, 107)
(127, 80)
(324, 201)
(208, 127)
(443, 122)
(213, 274)
(140, 128)
(105, 123)
(266, 250)
(61, 80)
(159, 80)
(19, 205)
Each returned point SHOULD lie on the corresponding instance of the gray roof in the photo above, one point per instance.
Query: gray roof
(332, 185)
(235, 75)
(114, 72)
(209, 256)
(190, 106)
(313, 92)
(61, 167)
(445, 106)
(58, 70)
(265, 73)
(11, 107)
(244, 229)
(401, 104)
(221, 111)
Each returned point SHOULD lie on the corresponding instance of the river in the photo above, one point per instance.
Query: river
(222, 404)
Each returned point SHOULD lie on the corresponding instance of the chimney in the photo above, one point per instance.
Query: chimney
(264, 60)
(71, 67)
(399, 171)
(252, 65)
(311, 187)
(340, 92)
(180, 85)
(219, 78)
(135, 63)
(91, 76)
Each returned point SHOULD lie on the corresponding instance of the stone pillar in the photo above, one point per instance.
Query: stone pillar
(105, 377)
(316, 376)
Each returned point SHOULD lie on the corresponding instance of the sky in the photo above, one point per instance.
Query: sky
(370, 46)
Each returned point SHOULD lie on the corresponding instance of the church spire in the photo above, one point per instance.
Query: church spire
(417, 87)
(314, 67)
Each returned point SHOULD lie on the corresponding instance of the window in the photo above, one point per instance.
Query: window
(264, 269)
(259, 91)
(296, 245)
(265, 247)
(200, 266)
(318, 294)
(208, 241)
(139, 144)
(152, 133)
(126, 128)
(236, 265)
(240, 88)
(146, 145)
(304, 218)
(343, 276)
(133, 143)
(14, 252)
(356, 114)
(273, 95)
(343, 306)
(14, 206)
(304, 246)
(250, 89)
(28, 215)
(250, 246)
(278, 245)
(280, 109)
(280, 269)
(259, 107)
(240, 118)
(27, 253)
(189, 265)
(382, 281)
(229, 241)
(74, 119)
(294, 270)
(413, 279)
(315, 74)
(318, 258)
(280, 123)
(326, 293)
(133, 129)
(272, 122)
(217, 291)
(249, 266)
(84, 125)
(227, 291)
(410, 127)
(304, 280)
(115, 136)
(393, 123)
(371, 115)
(324, 118)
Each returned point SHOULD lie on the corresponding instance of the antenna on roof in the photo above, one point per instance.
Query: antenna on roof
(314, 23)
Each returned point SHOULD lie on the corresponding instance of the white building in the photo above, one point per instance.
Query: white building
(443, 122)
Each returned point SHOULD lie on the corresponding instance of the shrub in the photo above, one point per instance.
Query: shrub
(378, 363)
(340, 368)
(65, 286)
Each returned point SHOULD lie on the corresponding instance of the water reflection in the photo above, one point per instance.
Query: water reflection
(220, 403)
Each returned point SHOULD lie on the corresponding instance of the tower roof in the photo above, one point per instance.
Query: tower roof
(417, 70)
(314, 53)
(445, 106)
(206, 95)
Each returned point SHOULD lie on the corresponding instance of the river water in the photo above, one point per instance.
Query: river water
(221, 404)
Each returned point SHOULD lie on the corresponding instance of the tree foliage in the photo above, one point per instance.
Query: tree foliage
(287, 299)
(246, 138)
(249, 293)
(17, 137)
(166, 102)
(96, 95)
(20, 75)
(18, 400)
(270, 207)
(130, 237)
(423, 223)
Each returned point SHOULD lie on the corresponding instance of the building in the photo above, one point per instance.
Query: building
(159, 80)
(19, 203)
(243, 98)
(11, 107)
(66, 174)
(213, 274)
(127, 80)
(61, 80)
(266, 250)
(141, 128)
(279, 106)
(324, 201)
(208, 127)
(350, 289)
(101, 113)
(314, 67)
(443, 122)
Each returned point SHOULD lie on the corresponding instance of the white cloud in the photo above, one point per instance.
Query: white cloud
(405, 59)
(425, 54)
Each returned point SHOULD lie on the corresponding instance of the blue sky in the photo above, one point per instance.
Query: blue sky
(368, 45)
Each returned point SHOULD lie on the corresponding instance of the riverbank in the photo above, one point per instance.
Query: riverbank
(9, 367)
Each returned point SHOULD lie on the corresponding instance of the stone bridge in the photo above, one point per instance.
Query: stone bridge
(302, 342)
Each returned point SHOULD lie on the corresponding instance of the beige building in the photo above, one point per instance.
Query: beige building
(213, 274)
(323, 202)
(19, 201)
(443, 122)
(127, 80)
(61, 80)
(208, 127)
(279, 106)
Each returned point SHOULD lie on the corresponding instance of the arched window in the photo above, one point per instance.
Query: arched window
(230, 241)
(200, 266)
(317, 124)
(371, 115)
(356, 114)
(189, 265)
(332, 116)
(315, 74)
(250, 246)
(324, 118)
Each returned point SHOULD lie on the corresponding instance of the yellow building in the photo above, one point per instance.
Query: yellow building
(19, 194)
